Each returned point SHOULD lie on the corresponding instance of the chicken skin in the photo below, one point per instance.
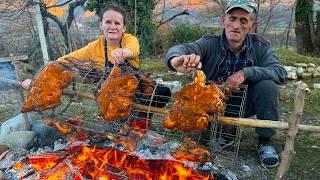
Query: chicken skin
(114, 98)
(47, 88)
(193, 104)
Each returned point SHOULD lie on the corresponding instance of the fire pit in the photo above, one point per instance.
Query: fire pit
(150, 160)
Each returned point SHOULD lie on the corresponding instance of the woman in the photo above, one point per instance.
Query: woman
(115, 46)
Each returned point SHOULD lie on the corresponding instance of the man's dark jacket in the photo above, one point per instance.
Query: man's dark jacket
(266, 65)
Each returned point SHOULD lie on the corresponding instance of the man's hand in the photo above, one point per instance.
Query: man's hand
(236, 79)
(118, 56)
(186, 63)
(26, 84)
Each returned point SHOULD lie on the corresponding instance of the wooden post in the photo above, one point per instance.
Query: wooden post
(287, 153)
(42, 37)
(14, 58)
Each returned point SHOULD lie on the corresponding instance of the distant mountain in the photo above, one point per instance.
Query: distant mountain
(280, 16)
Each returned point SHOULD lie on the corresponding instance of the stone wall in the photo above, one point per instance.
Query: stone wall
(302, 71)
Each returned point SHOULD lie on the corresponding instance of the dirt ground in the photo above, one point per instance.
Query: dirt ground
(306, 160)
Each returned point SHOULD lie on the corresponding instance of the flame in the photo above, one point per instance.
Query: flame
(109, 163)
(43, 163)
(18, 166)
(183, 156)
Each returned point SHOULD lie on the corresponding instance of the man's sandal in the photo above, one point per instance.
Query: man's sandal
(268, 156)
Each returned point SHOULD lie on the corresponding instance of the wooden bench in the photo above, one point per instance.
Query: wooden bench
(14, 58)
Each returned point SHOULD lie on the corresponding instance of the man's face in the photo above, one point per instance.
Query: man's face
(237, 24)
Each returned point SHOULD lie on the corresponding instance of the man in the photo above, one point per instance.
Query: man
(236, 57)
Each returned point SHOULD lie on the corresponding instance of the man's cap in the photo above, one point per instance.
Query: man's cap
(247, 5)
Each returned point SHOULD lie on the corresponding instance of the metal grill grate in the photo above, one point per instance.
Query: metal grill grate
(223, 140)
(80, 101)
(226, 138)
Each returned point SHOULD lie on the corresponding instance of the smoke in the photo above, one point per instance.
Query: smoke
(7, 71)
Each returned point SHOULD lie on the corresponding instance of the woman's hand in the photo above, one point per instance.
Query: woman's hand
(26, 84)
(118, 55)
(186, 63)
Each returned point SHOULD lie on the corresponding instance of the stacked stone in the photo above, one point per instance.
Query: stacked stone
(302, 71)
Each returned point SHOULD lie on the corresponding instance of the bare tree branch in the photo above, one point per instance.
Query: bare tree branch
(72, 7)
(59, 5)
(63, 26)
(185, 12)
(11, 10)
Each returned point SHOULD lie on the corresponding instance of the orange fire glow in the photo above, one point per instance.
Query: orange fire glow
(45, 161)
(110, 163)
(18, 166)
(183, 156)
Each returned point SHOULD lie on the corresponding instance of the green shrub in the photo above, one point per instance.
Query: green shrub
(185, 33)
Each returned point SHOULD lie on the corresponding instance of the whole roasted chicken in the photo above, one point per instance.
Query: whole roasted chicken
(47, 88)
(114, 98)
(193, 104)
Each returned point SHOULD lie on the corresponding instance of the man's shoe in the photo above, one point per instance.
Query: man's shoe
(268, 156)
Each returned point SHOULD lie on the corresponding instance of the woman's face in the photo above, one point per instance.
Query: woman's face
(112, 25)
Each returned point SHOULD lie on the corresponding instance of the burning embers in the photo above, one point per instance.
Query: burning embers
(190, 151)
(110, 163)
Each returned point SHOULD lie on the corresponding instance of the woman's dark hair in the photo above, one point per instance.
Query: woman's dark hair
(116, 8)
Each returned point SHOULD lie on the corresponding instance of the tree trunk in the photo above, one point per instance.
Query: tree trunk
(289, 28)
(257, 13)
(303, 29)
(312, 28)
(317, 34)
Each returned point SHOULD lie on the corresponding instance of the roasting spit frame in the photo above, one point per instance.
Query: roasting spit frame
(87, 108)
